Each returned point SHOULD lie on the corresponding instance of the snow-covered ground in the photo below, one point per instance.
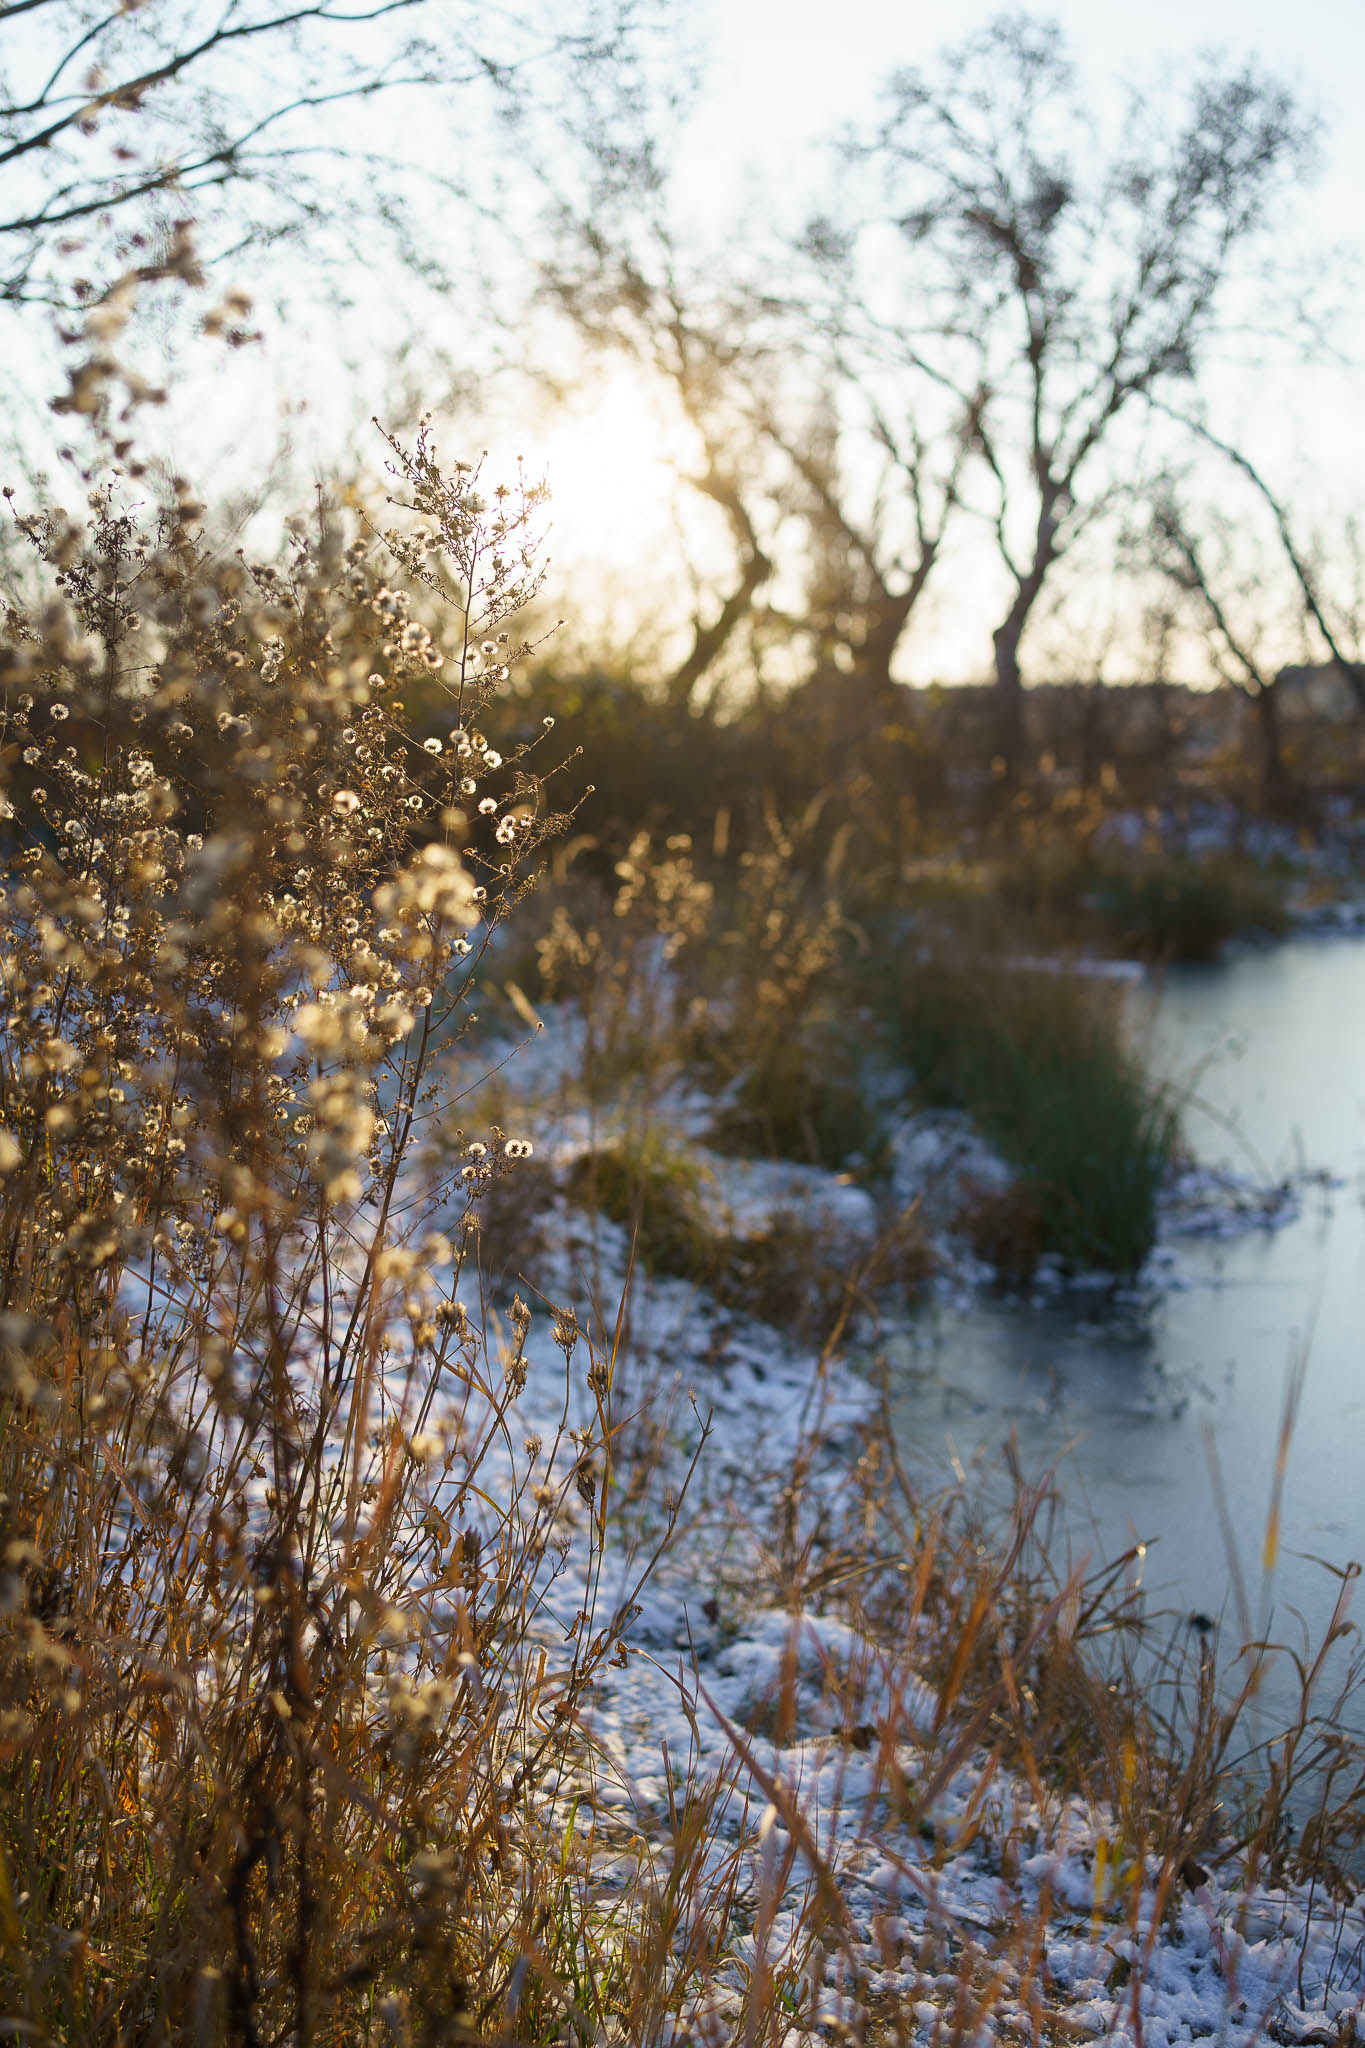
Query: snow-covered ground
(891, 1876)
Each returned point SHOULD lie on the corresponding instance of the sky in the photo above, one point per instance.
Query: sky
(778, 76)
(782, 70)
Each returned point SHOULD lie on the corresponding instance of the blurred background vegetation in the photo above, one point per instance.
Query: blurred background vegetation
(933, 589)
(881, 483)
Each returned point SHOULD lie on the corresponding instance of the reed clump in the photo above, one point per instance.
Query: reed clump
(1155, 904)
(1042, 1063)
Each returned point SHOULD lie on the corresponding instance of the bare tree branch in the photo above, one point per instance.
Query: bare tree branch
(230, 100)
(1353, 670)
(1078, 278)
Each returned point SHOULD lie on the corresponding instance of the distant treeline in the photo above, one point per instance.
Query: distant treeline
(903, 771)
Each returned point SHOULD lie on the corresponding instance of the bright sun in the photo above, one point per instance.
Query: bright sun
(612, 461)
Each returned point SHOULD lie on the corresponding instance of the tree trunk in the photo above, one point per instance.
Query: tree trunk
(1009, 681)
(1277, 789)
(1009, 692)
(876, 651)
(708, 641)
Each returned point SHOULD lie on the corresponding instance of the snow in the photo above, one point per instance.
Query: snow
(798, 1730)
(888, 1863)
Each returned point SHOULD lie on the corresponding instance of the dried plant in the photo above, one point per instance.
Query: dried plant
(277, 1710)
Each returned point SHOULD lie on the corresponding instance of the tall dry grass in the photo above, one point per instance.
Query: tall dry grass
(280, 1713)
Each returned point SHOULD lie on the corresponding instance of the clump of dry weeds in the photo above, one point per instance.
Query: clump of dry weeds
(280, 1720)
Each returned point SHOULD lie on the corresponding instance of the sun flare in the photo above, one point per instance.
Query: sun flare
(612, 462)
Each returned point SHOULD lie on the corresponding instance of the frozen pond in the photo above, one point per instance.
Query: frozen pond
(1138, 1401)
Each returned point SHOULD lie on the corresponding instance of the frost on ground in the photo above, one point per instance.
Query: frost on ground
(813, 1793)
(883, 1876)
(1209, 1201)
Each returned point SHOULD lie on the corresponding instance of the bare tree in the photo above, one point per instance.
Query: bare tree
(993, 245)
(1203, 558)
(1333, 631)
(264, 120)
(623, 286)
(877, 496)
(848, 500)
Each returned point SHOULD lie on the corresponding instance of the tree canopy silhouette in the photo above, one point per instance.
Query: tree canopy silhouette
(262, 120)
(993, 244)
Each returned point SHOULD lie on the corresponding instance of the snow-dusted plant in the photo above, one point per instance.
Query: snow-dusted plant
(276, 1702)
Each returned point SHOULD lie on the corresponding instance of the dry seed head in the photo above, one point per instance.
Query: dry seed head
(565, 1330)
